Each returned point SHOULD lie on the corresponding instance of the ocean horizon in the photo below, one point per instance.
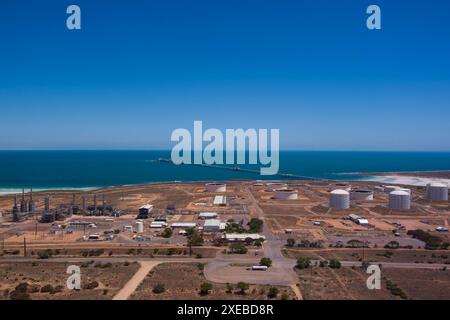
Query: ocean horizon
(91, 169)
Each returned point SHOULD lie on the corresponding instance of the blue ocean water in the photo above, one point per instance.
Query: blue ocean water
(84, 169)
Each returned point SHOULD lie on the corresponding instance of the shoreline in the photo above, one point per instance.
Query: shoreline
(417, 178)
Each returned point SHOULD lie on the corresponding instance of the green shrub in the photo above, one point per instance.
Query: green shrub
(158, 288)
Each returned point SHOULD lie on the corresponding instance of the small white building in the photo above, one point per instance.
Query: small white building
(243, 236)
(158, 224)
(185, 225)
(363, 222)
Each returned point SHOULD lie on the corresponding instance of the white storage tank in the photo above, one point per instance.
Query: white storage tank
(216, 187)
(339, 199)
(399, 200)
(139, 226)
(272, 186)
(285, 194)
(361, 194)
(437, 191)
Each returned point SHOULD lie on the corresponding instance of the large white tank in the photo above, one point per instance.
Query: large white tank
(216, 187)
(339, 199)
(437, 191)
(361, 194)
(140, 227)
(399, 200)
(272, 186)
(285, 194)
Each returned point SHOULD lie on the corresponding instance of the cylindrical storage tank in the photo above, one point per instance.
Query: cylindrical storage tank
(139, 227)
(389, 189)
(285, 194)
(216, 187)
(341, 186)
(272, 186)
(399, 200)
(361, 194)
(437, 191)
(339, 199)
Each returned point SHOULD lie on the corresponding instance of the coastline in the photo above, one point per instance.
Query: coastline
(416, 178)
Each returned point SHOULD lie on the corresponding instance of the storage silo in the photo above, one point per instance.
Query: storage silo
(216, 187)
(437, 191)
(339, 199)
(139, 226)
(286, 194)
(399, 200)
(361, 194)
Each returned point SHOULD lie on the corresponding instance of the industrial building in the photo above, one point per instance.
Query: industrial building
(212, 225)
(358, 220)
(339, 199)
(220, 201)
(216, 187)
(361, 194)
(285, 194)
(399, 200)
(207, 215)
(437, 191)
(186, 225)
(243, 236)
(145, 211)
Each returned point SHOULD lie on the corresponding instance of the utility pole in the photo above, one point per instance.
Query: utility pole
(24, 246)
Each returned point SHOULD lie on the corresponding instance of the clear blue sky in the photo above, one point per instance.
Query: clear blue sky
(139, 69)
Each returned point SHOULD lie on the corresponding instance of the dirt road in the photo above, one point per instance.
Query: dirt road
(136, 280)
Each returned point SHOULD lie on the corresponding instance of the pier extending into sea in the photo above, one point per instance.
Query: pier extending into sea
(239, 169)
